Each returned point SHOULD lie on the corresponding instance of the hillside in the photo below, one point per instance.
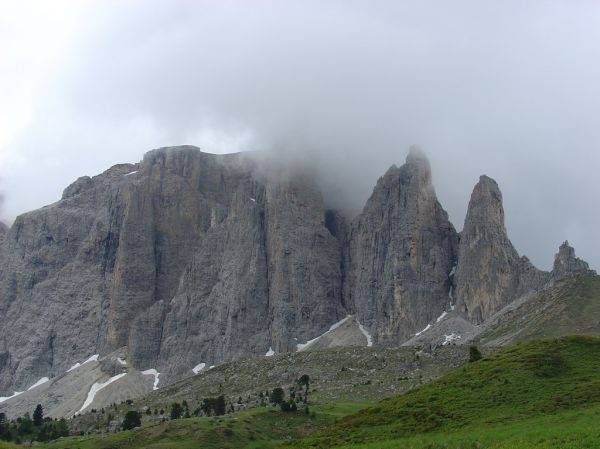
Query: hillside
(566, 306)
(571, 306)
(514, 393)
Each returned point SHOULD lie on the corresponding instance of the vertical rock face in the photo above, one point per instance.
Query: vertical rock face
(3, 231)
(489, 273)
(268, 275)
(401, 251)
(184, 258)
(189, 258)
(566, 264)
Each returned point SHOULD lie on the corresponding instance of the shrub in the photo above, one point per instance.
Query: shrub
(474, 353)
(132, 420)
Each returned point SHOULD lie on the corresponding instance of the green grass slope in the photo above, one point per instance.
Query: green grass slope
(570, 307)
(263, 428)
(537, 387)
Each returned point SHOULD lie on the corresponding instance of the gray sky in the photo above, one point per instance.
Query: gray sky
(505, 88)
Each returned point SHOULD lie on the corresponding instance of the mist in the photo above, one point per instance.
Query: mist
(507, 89)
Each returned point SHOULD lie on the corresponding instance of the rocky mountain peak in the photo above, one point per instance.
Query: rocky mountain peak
(401, 238)
(490, 272)
(418, 164)
(485, 206)
(417, 156)
(566, 264)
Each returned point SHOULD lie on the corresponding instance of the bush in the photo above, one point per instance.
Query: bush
(176, 410)
(288, 406)
(277, 396)
(474, 353)
(132, 420)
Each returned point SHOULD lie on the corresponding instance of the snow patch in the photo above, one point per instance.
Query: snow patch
(96, 388)
(199, 367)
(441, 317)
(451, 290)
(452, 271)
(424, 330)
(450, 338)
(270, 352)
(366, 334)
(152, 372)
(93, 358)
(301, 346)
(131, 173)
(43, 380)
(6, 398)
(121, 361)
(77, 365)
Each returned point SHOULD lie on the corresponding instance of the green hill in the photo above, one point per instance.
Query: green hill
(570, 307)
(536, 394)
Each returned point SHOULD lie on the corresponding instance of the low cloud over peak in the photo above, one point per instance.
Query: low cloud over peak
(505, 89)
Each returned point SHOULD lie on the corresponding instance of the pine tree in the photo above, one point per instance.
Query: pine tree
(132, 420)
(38, 415)
(3, 426)
(176, 410)
(220, 406)
(304, 380)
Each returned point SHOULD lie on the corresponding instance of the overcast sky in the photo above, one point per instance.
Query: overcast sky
(505, 88)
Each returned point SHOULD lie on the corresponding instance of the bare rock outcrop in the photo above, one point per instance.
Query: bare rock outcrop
(186, 257)
(490, 272)
(566, 264)
(402, 249)
(3, 231)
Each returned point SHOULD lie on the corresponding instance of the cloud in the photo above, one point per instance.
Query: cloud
(502, 88)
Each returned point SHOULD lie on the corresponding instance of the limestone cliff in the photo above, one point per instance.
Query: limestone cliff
(186, 257)
(489, 273)
(402, 249)
(3, 231)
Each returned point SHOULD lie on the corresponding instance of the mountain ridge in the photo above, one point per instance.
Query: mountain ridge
(189, 258)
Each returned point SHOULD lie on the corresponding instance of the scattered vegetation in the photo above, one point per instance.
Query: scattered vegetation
(25, 429)
(530, 382)
(132, 420)
(474, 353)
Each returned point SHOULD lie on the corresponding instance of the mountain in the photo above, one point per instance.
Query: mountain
(186, 260)
(489, 273)
(402, 248)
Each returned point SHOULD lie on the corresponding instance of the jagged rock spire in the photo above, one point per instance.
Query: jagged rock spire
(566, 264)
(401, 249)
(490, 272)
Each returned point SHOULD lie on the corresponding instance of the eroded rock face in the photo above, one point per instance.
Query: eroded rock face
(3, 231)
(402, 249)
(184, 258)
(489, 273)
(188, 258)
(566, 264)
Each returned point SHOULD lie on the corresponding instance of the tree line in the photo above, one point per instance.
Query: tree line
(32, 428)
